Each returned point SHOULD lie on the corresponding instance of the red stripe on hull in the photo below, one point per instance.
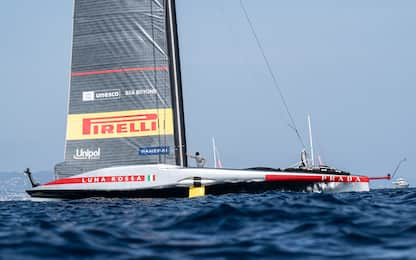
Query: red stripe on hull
(380, 178)
(98, 72)
(315, 178)
(99, 179)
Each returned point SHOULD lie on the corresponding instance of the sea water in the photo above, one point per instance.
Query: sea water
(380, 224)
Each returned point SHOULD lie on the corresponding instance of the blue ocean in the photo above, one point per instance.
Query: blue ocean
(380, 224)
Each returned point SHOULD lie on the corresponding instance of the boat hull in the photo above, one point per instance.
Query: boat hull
(400, 186)
(166, 181)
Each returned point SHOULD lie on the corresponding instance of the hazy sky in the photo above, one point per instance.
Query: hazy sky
(350, 64)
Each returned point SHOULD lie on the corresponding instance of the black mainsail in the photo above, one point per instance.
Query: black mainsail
(125, 99)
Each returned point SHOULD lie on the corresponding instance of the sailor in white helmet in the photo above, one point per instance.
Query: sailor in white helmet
(200, 161)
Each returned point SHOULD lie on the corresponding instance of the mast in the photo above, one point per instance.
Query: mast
(176, 83)
(310, 139)
(214, 150)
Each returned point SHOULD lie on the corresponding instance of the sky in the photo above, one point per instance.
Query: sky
(349, 64)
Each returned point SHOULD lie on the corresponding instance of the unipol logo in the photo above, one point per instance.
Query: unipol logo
(87, 154)
(119, 125)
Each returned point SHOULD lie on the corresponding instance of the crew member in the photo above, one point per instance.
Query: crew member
(303, 159)
(200, 161)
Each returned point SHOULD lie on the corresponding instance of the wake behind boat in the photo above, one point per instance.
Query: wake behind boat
(125, 125)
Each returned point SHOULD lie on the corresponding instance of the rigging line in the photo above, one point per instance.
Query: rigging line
(266, 60)
(398, 166)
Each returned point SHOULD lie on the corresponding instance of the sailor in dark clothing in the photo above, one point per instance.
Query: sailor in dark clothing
(200, 161)
(303, 159)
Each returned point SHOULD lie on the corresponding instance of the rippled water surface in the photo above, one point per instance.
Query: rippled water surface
(380, 224)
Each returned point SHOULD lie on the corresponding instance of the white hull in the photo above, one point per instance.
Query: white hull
(173, 181)
(400, 184)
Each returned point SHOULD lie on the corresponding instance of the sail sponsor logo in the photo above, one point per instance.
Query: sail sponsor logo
(111, 94)
(101, 95)
(140, 92)
(88, 96)
(119, 124)
(134, 123)
(158, 150)
(87, 154)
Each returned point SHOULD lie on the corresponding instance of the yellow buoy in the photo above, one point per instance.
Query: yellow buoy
(196, 191)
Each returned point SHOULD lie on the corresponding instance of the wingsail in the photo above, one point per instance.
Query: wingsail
(121, 97)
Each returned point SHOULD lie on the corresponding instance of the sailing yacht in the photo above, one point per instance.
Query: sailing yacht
(400, 183)
(125, 132)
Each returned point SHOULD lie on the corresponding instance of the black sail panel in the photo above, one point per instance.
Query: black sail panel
(121, 102)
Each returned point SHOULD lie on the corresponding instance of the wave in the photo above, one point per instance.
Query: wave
(376, 224)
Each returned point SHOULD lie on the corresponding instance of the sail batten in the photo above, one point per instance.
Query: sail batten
(123, 95)
(87, 73)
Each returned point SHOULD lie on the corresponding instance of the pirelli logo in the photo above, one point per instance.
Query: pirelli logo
(133, 123)
(119, 124)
